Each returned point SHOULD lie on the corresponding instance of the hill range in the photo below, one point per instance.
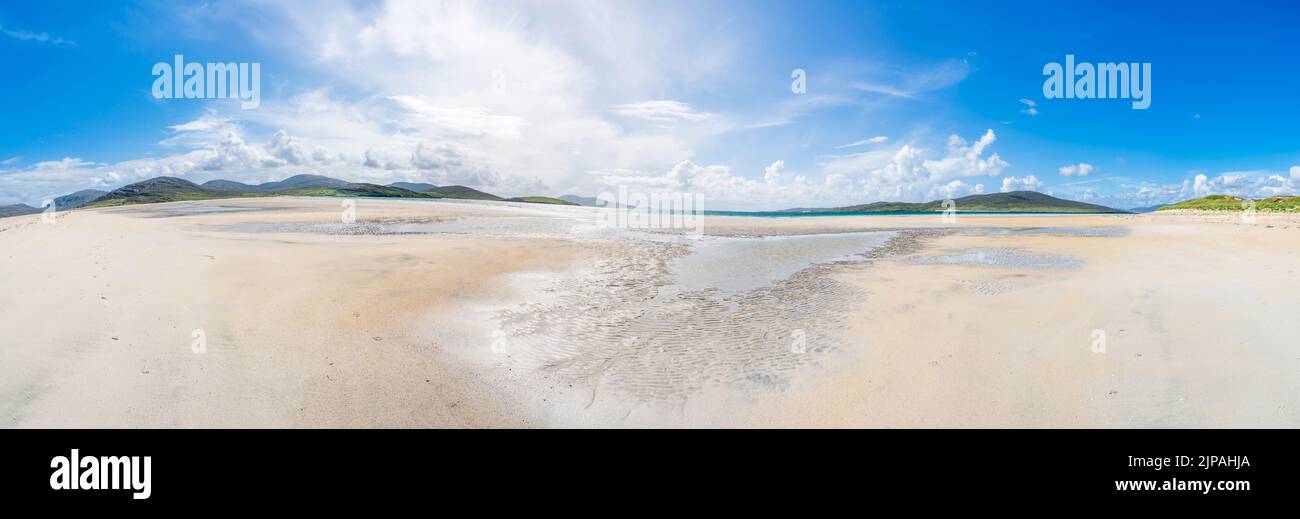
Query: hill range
(1012, 202)
(170, 189)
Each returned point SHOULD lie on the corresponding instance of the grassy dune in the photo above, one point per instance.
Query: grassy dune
(1280, 204)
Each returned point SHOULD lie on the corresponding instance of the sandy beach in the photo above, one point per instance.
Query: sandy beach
(273, 312)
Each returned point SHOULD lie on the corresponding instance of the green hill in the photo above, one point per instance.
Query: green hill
(589, 201)
(1015, 201)
(359, 189)
(160, 189)
(294, 183)
(17, 210)
(540, 200)
(170, 189)
(1234, 203)
(413, 186)
(78, 199)
(462, 193)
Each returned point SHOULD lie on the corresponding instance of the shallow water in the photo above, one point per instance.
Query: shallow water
(521, 226)
(1098, 232)
(1004, 258)
(191, 210)
(742, 264)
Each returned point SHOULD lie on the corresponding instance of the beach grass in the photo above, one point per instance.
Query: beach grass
(1280, 204)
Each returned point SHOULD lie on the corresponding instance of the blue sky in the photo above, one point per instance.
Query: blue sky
(904, 101)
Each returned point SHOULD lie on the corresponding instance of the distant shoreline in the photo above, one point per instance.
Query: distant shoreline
(787, 214)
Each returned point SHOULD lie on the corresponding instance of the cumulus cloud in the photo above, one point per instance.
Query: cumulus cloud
(910, 173)
(231, 156)
(720, 187)
(535, 92)
(968, 159)
(772, 173)
(1081, 169)
(1201, 185)
(1025, 183)
(1249, 184)
(1126, 193)
(955, 189)
(526, 98)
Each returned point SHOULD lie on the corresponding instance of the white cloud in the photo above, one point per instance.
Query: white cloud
(1081, 169)
(913, 82)
(772, 173)
(208, 130)
(662, 111)
(721, 188)
(955, 189)
(906, 174)
(873, 140)
(35, 36)
(1127, 194)
(1250, 184)
(526, 98)
(968, 160)
(1025, 183)
(1031, 107)
(1201, 185)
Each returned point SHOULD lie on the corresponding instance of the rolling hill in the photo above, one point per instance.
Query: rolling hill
(540, 200)
(160, 189)
(462, 193)
(78, 199)
(170, 189)
(230, 185)
(296, 182)
(1287, 204)
(589, 201)
(1015, 201)
(413, 186)
(17, 210)
(359, 189)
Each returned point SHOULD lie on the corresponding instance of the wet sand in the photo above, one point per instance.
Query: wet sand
(438, 314)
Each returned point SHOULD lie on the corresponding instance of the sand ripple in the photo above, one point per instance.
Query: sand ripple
(624, 326)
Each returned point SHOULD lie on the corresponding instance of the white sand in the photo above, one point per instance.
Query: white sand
(557, 325)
